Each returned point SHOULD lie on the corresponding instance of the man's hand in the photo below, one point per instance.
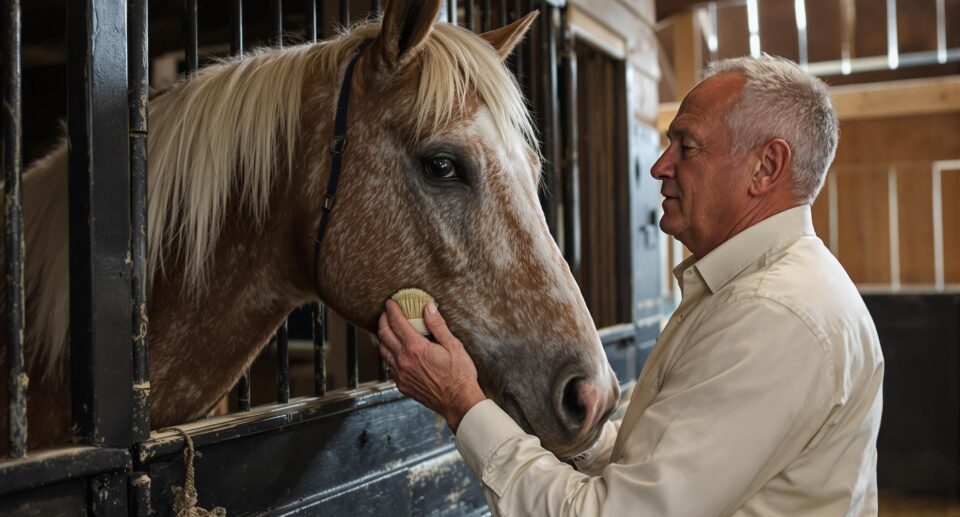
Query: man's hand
(439, 375)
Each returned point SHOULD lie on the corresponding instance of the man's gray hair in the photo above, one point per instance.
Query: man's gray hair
(780, 100)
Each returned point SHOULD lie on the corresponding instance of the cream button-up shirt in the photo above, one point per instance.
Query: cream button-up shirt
(762, 396)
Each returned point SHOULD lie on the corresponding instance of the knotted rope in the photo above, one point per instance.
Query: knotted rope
(185, 497)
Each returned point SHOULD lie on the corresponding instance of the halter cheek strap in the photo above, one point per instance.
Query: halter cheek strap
(337, 146)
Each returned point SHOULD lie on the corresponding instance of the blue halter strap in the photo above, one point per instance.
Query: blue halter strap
(337, 146)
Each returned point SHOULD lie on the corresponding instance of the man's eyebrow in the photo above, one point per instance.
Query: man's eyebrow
(675, 132)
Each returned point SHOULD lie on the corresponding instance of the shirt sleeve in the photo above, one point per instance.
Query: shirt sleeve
(735, 409)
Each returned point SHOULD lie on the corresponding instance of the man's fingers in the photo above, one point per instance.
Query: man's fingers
(400, 326)
(436, 325)
(388, 340)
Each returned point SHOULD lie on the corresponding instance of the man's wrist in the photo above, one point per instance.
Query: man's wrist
(464, 404)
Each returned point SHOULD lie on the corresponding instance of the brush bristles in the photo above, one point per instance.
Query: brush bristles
(412, 301)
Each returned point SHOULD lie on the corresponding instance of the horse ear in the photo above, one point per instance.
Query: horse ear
(506, 38)
(406, 25)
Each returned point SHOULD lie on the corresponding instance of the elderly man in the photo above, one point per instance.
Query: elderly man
(763, 394)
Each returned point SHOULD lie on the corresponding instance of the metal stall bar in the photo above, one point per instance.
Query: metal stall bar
(452, 11)
(353, 371)
(318, 310)
(548, 112)
(236, 49)
(236, 27)
(468, 14)
(376, 8)
(353, 368)
(501, 13)
(283, 364)
(243, 391)
(570, 165)
(13, 174)
(484, 15)
(139, 96)
(516, 59)
(528, 60)
(192, 57)
(101, 359)
(283, 342)
(311, 21)
(319, 349)
(276, 22)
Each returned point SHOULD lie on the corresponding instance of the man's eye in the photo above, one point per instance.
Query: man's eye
(440, 168)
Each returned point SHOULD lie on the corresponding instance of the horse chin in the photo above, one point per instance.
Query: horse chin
(562, 450)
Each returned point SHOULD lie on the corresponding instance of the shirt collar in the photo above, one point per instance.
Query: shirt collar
(729, 259)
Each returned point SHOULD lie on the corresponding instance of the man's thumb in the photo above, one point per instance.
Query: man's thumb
(436, 324)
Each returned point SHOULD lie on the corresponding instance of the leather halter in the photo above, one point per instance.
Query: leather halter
(337, 146)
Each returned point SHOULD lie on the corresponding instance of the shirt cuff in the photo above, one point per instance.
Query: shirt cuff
(482, 431)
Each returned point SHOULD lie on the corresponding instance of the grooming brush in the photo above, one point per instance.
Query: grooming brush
(411, 302)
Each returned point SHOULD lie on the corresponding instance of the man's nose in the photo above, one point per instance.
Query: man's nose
(663, 168)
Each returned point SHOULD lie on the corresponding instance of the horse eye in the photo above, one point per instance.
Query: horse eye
(440, 168)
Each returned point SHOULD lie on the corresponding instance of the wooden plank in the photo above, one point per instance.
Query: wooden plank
(686, 52)
(916, 223)
(950, 189)
(900, 139)
(897, 98)
(864, 239)
(891, 99)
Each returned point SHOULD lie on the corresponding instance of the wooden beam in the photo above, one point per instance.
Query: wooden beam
(897, 98)
(875, 100)
(686, 52)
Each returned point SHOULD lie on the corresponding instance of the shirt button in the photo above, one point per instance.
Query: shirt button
(681, 316)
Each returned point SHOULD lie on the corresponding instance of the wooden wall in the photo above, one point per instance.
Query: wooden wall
(882, 187)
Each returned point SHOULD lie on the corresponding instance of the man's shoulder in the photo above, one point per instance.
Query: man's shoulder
(807, 279)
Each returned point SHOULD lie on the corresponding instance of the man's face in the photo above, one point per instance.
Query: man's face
(704, 187)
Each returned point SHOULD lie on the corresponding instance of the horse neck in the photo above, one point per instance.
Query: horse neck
(202, 340)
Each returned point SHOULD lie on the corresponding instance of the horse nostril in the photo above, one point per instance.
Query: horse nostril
(574, 404)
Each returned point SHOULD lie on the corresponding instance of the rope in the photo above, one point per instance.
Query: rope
(185, 497)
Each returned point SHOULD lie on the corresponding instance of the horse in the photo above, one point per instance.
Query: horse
(438, 191)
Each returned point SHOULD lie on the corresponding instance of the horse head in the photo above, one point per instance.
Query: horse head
(439, 191)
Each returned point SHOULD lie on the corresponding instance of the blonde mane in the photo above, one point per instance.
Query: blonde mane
(223, 132)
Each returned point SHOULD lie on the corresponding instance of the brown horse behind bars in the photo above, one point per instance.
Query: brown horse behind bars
(439, 191)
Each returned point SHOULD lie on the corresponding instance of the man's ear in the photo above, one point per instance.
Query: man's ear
(776, 159)
(406, 26)
(506, 38)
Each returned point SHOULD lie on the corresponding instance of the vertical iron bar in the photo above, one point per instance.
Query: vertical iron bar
(101, 358)
(549, 109)
(376, 7)
(139, 87)
(353, 372)
(571, 160)
(276, 22)
(468, 14)
(502, 13)
(516, 60)
(528, 56)
(345, 13)
(243, 391)
(192, 57)
(311, 15)
(319, 349)
(382, 374)
(452, 12)
(236, 27)
(13, 174)
(485, 15)
(283, 364)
